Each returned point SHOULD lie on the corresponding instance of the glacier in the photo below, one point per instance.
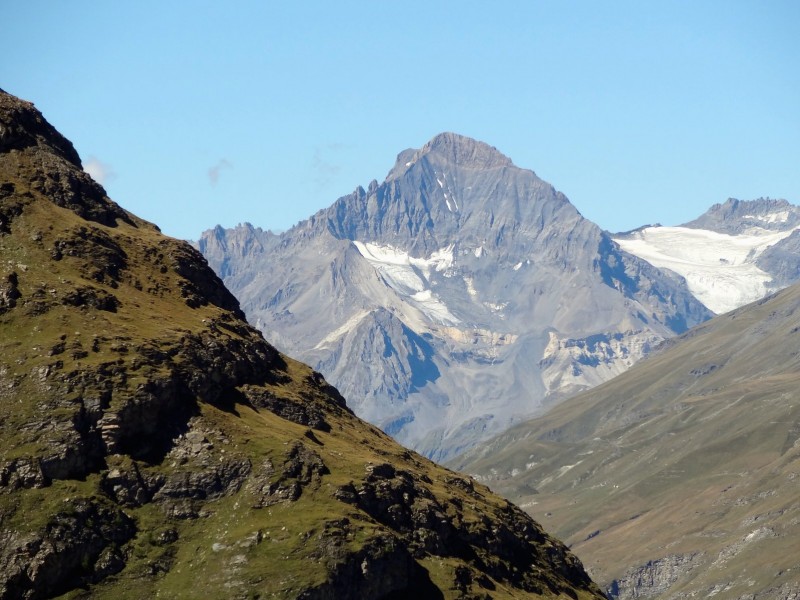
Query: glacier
(719, 268)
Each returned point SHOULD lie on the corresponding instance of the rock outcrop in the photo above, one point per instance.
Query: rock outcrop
(738, 216)
(653, 579)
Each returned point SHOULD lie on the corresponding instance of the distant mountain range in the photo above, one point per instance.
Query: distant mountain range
(681, 477)
(454, 299)
(464, 292)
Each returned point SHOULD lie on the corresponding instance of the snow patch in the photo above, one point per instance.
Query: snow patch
(495, 307)
(448, 194)
(440, 260)
(776, 217)
(719, 268)
(410, 277)
(423, 296)
(345, 328)
(434, 309)
(470, 286)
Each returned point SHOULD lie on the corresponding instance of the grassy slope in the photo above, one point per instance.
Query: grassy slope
(693, 451)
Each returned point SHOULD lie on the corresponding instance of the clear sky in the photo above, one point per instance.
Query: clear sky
(200, 113)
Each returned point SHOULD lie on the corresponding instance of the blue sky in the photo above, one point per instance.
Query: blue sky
(198, 113)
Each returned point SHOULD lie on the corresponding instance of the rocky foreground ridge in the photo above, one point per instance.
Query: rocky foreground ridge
(153, 444)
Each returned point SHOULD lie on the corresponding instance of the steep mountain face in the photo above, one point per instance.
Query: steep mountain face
(154, 445)
(735, 253)
(457, 297)
(681, 477)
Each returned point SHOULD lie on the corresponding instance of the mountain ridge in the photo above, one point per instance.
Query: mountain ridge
(735, 216)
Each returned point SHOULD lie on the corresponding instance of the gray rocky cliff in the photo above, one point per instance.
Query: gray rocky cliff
(654, 578)
(782, 261)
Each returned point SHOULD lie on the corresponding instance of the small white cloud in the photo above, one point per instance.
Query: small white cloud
(99, 171)
(213, 172)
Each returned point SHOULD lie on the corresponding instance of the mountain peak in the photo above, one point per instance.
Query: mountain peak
(466, 151)
(22, 126)
(462, 247)
(456, 149)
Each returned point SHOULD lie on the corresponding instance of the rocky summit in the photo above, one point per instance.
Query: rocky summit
(452, 300)
(154, 445)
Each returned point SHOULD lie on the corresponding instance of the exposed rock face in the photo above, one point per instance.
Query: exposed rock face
(652, 579)
(738, 216)
(83, 543)
(569, 365)
(431, 299)
(153, 444)
(782, 261)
